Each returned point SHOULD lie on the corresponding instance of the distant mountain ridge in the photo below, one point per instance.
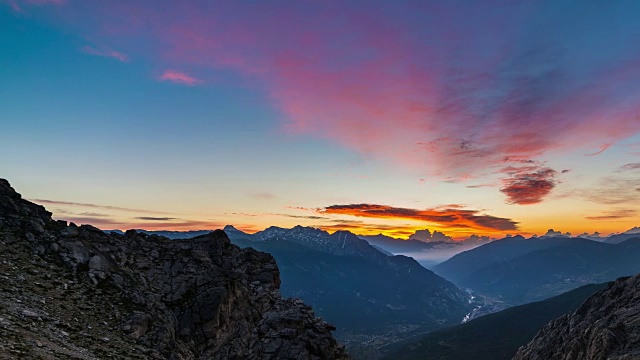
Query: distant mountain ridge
(522, 270)
(465, 263)
(365, 293)
(428, 253)
(618, 238)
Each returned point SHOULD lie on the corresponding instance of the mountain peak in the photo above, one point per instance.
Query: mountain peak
(231, 228)
(13, 205)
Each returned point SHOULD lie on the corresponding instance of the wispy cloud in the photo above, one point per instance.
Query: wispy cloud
(179, 77)
(452, 218)
(92, 214)
(151, 218)
(18, 5)
(482, 186)
(630, 166)
(603, 147)
(106, 53)
(97, 206)
(614, 215)
(612, 191)
(243, 214)
(263, 195)
(307, 217)
(46, 2)
(147, 223)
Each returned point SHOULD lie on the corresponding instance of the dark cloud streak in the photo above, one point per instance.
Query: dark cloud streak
(152, 218)
(614, 215)
(96, 206)
(630, 166)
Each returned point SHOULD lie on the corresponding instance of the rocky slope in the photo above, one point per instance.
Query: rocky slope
(76, 292)
(606, 326)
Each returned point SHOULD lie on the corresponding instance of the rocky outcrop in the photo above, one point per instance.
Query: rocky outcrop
(67, 291)
(606, 326)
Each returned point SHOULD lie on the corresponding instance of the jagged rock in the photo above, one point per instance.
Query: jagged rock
(201, 298)
(606, 326)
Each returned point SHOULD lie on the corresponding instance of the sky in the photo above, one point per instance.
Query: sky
(486, 117)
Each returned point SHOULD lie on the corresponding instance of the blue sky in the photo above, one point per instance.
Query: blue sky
(260, 114)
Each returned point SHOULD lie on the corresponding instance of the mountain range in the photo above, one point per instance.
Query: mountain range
(519, 270)
(618, 238)
(427, 253)
(372, 298)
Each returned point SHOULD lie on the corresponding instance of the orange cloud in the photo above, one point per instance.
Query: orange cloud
(362, 228)
(448, 217)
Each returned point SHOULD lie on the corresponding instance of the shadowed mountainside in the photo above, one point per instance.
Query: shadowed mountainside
(519, 270)
(606, 326)
(495, 336)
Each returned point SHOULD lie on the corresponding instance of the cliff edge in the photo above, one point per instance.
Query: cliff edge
(76, 292)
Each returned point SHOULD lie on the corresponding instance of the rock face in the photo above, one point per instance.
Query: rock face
(606, 326)
(66, 291)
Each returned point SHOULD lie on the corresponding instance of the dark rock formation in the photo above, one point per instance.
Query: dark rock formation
(66, 291)
(606, 326)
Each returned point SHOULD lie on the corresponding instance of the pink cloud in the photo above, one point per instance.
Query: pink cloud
(528, 185)
(105, 52)
(448, 91)
(455, 217)
(179, 78)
